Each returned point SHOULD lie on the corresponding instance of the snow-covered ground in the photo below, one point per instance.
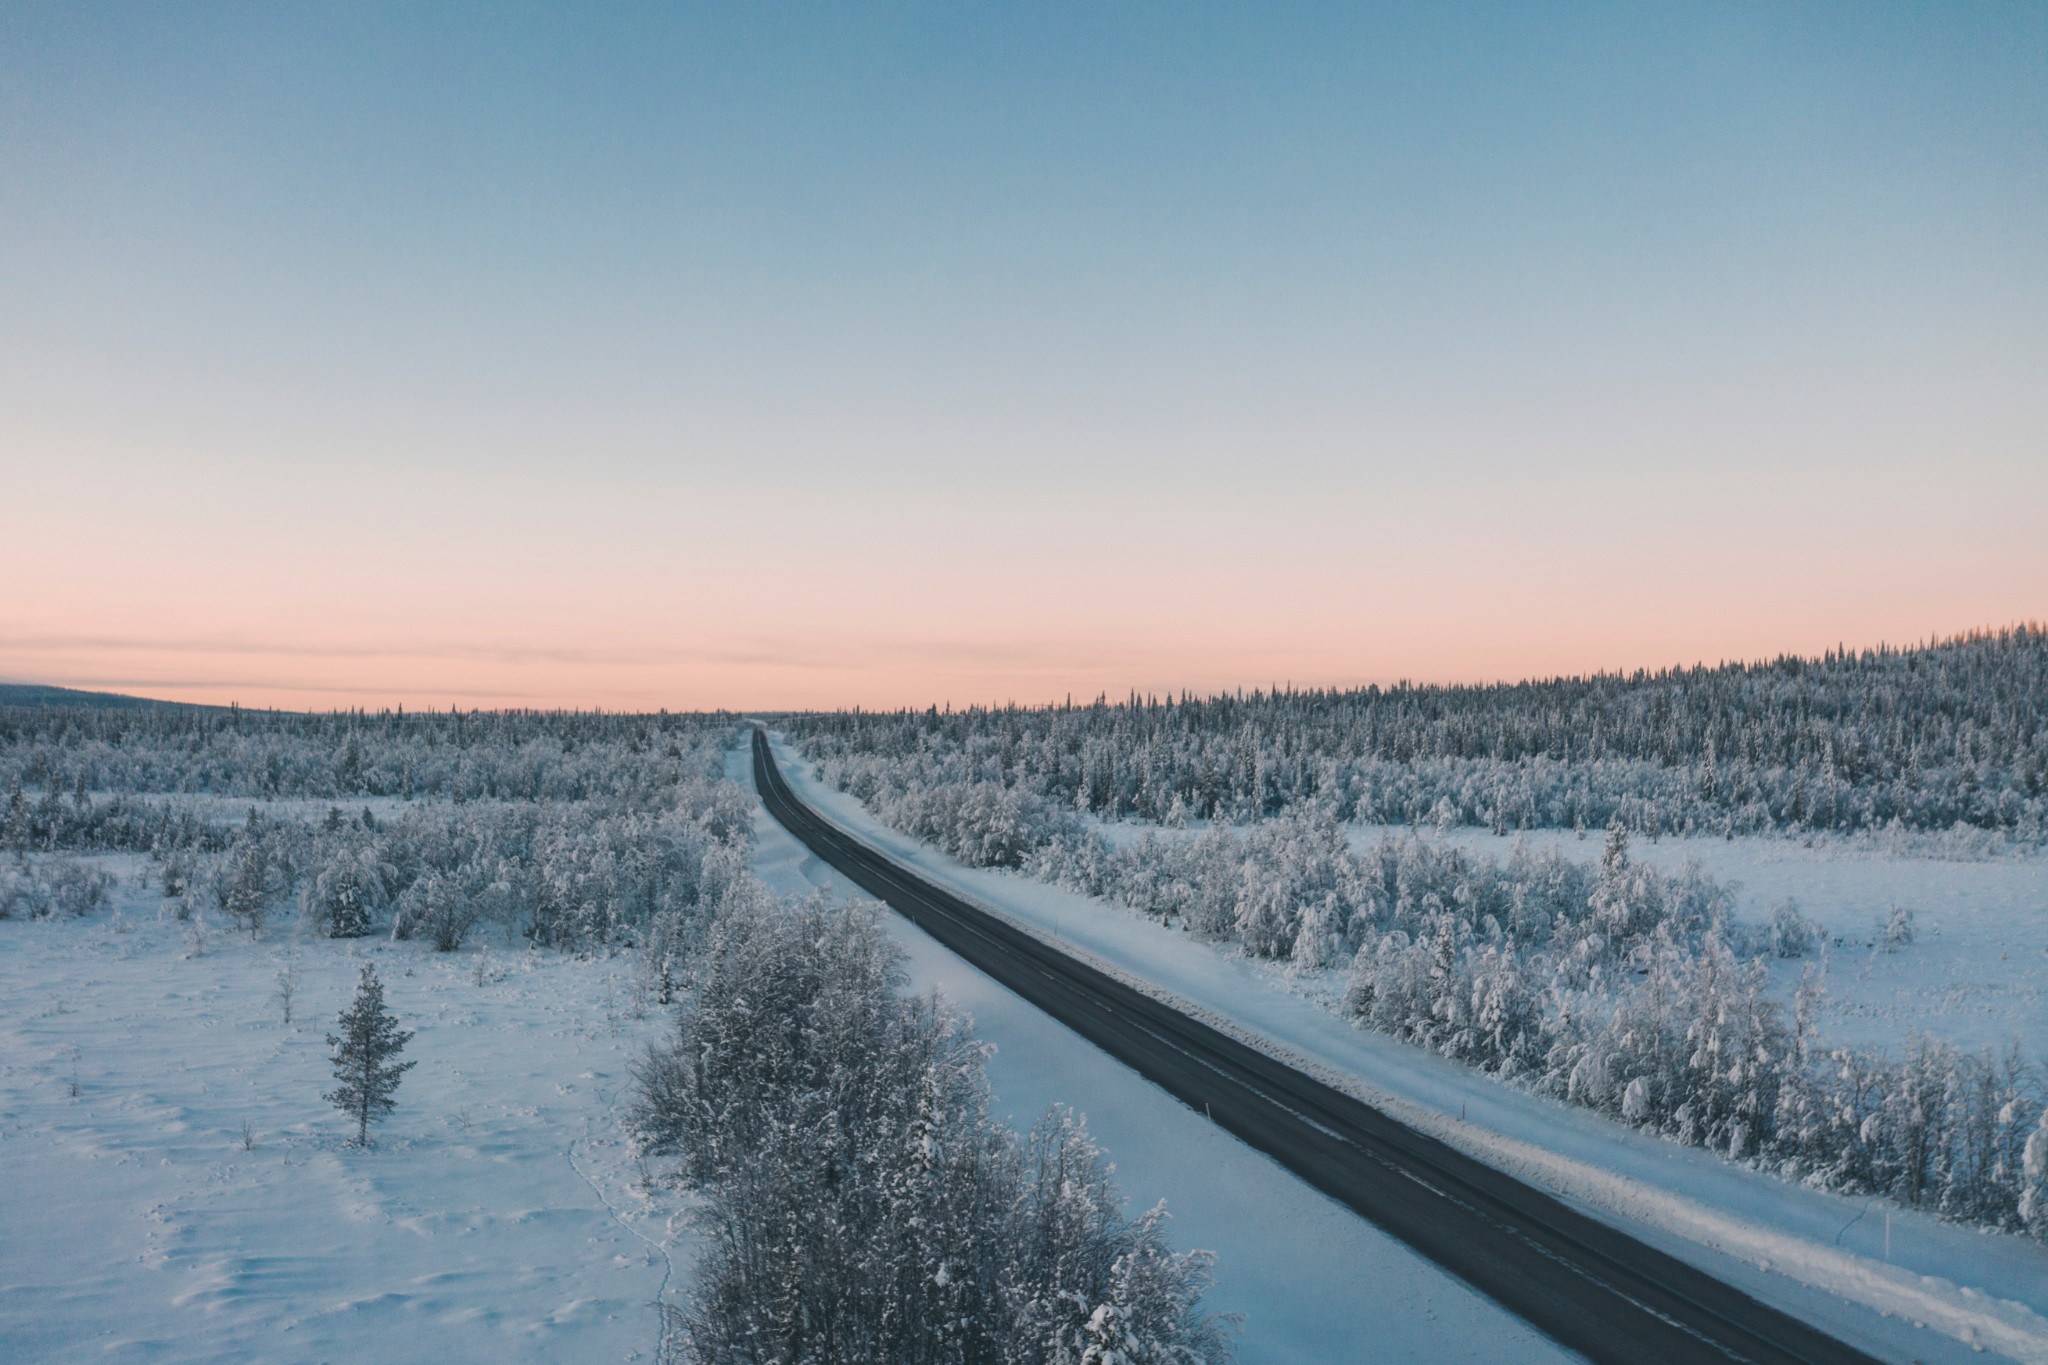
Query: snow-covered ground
(500, 1215)
(1976, 974)
(1902, 1285)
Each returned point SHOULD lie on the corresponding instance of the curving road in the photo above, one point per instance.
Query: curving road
(1589, 1286)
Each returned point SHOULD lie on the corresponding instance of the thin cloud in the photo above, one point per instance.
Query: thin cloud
(227, 687)
(1031, 656)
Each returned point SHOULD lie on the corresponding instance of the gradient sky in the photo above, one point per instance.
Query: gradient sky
(769, 356)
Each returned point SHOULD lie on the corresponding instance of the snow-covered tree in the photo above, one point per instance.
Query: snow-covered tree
(861, 1202)
(2033, 1203)
(348, 892)
(365, 1072)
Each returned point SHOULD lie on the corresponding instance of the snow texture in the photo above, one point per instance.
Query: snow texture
(501, 1215)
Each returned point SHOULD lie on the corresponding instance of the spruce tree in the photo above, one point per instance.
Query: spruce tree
(365, 1074)
(245, 890)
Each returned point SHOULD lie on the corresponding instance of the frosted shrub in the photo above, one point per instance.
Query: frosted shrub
(1896, 931)
(441, 907)
(2033, 1208)
(177, 881)
(80, 890)
(20, 894)
(245, 885)
(1789, 934)
(347, 893)
(861, 1203)
(56, 886)
(1288, 866)
(1319, 940)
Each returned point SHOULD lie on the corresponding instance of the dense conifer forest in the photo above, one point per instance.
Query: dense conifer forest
(453, 755)
(1923, 738)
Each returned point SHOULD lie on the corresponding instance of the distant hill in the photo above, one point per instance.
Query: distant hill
(36, 694)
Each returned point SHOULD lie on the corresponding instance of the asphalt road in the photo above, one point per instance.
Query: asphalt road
(1585, 1284)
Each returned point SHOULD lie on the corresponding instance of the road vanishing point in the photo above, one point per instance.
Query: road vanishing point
(1589, 1286)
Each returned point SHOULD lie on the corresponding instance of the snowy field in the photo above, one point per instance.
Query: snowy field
(499, 1217)
(1975, 975)
(1903, 1285)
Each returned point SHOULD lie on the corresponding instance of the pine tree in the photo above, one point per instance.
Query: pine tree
(17, 819)
(246, 889)
(365, 1074)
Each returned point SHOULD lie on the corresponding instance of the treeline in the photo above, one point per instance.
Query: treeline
(452, 755)
(580, 875)
(861, 1202)
(612, 866)
(570, 829)
(1924, 738)
(1612, 985)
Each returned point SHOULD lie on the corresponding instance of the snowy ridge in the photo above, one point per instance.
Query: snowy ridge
(1966, 1315)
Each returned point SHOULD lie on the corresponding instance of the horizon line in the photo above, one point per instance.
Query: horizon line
(1273, 688)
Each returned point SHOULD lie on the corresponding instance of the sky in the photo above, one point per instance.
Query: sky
(786, 356)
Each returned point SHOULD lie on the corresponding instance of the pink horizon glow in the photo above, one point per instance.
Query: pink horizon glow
(142, 579)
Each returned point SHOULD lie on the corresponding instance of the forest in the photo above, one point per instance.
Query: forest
(1926, 738)
(571, 830)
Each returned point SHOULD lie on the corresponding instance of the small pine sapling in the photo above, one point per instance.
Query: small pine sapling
(365, 1073)
(245, 892)
(287, 987)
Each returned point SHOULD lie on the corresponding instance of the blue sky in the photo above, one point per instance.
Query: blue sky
(1427, 324)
